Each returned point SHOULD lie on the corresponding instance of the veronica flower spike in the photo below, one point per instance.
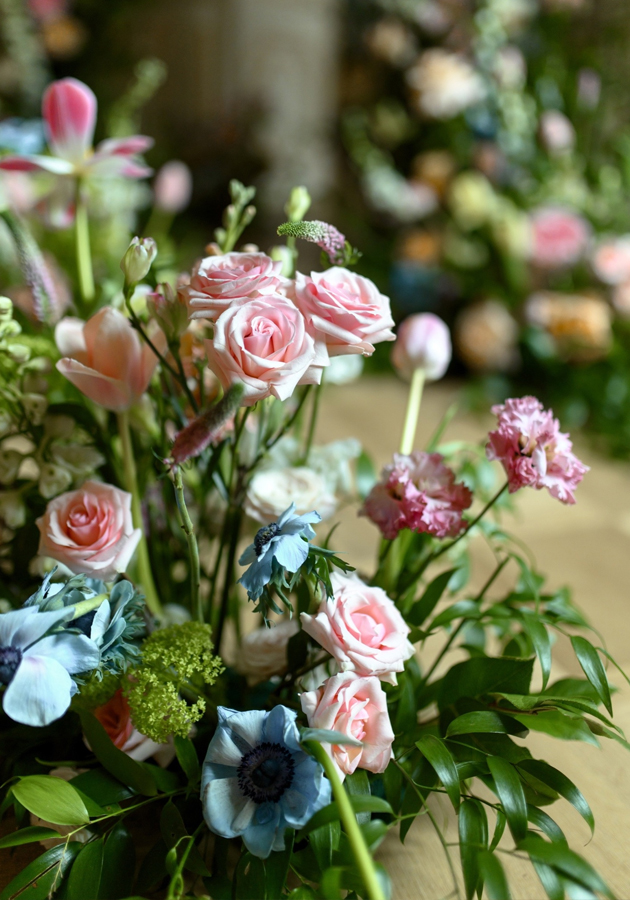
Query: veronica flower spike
(69, 112)
(257, 781)
(285, 541)
(36, 665)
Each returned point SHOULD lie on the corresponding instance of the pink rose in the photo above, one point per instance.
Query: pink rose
(106, 359)
(348, 310)
(115, 717)
(265, 344)
(361, 628)
(357, 707)
(420, 493)
(611, 260)
(559, 237)
(90, 530)
(217, 281)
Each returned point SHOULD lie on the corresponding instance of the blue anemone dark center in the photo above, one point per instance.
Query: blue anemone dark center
(264, 535)
(266, 772)
(10, 659)
(84, 622)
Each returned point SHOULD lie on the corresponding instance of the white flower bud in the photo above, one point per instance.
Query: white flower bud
(12, 509)
(35, 406)
(53, 480)
(423, 342)
(138, 259)
(9, 465)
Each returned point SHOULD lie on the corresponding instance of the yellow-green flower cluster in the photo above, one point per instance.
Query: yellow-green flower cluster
(176, 662)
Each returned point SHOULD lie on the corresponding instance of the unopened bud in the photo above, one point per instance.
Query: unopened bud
(169, 311)
(298, 204)
(194, 438)
(423, 342)
(138, 259)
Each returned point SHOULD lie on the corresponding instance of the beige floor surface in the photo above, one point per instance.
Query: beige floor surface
(586, 546)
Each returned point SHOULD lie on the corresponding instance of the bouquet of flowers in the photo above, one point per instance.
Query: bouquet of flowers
(500, 165)
(200, 696)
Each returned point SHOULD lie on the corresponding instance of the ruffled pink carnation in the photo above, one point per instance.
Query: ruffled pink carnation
(420, 493)
(218, 280)
(533, 450)
(559, 237)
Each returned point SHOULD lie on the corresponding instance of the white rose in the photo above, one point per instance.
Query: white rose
(263, 652)
(273, 490)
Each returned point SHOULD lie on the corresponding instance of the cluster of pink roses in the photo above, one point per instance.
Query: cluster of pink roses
(368, 639)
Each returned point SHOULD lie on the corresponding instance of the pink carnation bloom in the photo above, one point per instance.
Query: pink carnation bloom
(559, 237)
(533, 450)
(420, 493)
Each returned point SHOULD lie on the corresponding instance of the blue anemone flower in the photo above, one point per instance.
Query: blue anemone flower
(257, 781)
(36, 665)
(285, 541)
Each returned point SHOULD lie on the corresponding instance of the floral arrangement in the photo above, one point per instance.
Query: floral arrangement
(478, 149)
(200, 696)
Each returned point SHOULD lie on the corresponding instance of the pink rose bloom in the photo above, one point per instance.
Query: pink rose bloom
(611, 261)
(106, 359)
(265, 344)
(420, 493)
(533, 450)
(217, 281)
(559, 237)
(357, 707)
(346, 309)
(361, 628)
(115, 717)
(90, 530)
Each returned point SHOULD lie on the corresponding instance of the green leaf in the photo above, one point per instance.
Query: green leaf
(119, 864)
(558, 725)
(27, 836)
(559, 782)
(442, 761)
(327, 736)
(510, 791)
(46, 871)
(365, 474)
(406, 711)
(541, 820)
(173, 830)
(277, 866)
(358, 785)
(250, 878)
(463, 609)
(330, 885)
(549, 880)
(539, 637)
(485, 722)
(422, 609)
(360, 803)
(303, 892)
(374, 833)
(153, 870)
(593, 668)
(188, 759)
(493, 876)
(485, 675)
(121, 766)
(473, 839)
(102, 788)
(499, 828)
(565, 861)
(51, 799)
(411, 806)
(85, 876)
(324, 840)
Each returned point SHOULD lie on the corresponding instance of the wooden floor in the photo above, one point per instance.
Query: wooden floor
(586, 546)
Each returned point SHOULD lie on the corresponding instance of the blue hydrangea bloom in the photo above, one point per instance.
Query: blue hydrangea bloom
(285, 541)
(36, 664)
(257, 781)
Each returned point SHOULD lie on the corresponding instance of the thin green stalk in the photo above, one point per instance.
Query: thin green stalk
(193, 548)
(82, 242)
(131, 481)
(313, 423)
(413, 411)
(347, 815)
(235, 527)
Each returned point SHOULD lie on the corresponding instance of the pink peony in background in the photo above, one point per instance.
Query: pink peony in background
(420, 493)
(533, 450)
(217, 281)
(90, 530)
(356, 706)
(559, 237)
(347, 310)
(361, 628)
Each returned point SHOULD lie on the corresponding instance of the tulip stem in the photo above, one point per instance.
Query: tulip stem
(82, 241)
(347, 815)
(193, 547)
(313, 423)
(413, 411)
(131, 481)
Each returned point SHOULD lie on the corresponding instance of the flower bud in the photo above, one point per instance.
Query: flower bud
(423, 342)
(53, 480)
(10, 461)
(298, 204)
(6, 309)
(173, 187)
(169, 311)
(35, 406)
(199, 434)
(12, 509)
(138, 259)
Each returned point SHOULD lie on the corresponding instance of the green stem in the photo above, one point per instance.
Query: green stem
(360, 849)
(312, 423)
(413, 411)
(131, 481)
(193, 548)
(82, 241)
(86, 606)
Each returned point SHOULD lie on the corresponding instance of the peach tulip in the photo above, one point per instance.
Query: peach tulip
(106, 359)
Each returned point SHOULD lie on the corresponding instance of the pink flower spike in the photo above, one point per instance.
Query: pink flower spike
(69, 110)
(533, 451)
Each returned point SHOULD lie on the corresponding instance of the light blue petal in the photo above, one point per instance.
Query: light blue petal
(216, 770)
(309, 779)
(247, 725)
(286, 515)
(227, 811)
(101, 620)
(296, 808)
(75, 652)
(280, 728)
(11, 621)
(291, 551)
(39, 692)
(222, 750)
(260, 839)
(302, 524)
(248, 556)
(257, 576)
(35, 627)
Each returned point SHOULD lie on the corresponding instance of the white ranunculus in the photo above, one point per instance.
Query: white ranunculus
(263, 652)
(331, 461)
(344, 369)
(271, 491)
